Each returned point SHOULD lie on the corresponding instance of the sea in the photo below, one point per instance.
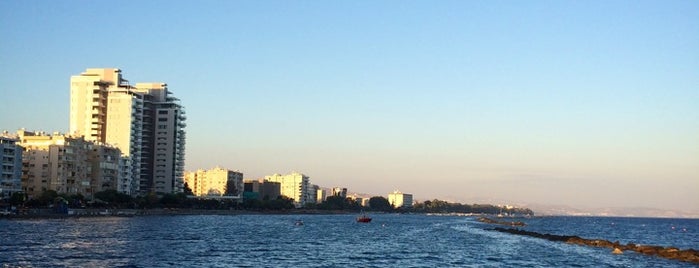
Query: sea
(390, 240)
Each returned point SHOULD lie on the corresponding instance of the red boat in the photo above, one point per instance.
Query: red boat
(364, 219)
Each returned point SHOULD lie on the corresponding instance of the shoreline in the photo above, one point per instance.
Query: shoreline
(83, 213)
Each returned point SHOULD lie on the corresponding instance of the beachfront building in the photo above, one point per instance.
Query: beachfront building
(106, 169)
(400, 200)
(11, 172)
(321, 195)
(261, 189)
(164, 140)
(313, 193)
(145, 122)
(339, 191)
(55, 162)
(216, 182)
(295, 186)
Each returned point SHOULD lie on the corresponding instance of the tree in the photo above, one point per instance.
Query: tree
(172, 200)
(114, 198)
(47, 197)
(339, 203)
(187, 190)
(282, 202)
(17, 198)
(380, 203)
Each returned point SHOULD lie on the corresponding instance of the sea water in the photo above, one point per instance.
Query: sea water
(390, 240)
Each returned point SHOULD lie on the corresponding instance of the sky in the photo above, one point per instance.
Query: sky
(586, 104)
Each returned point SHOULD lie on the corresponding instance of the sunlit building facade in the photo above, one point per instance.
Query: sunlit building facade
(144, 121)
(215, 182)
(55, 162)
(295, 186)
(400, 200)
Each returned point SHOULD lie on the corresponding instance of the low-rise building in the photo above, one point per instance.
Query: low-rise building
(216, 182)
(55, 162)
(261, 189)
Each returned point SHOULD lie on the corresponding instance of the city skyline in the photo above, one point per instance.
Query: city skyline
(561, 103)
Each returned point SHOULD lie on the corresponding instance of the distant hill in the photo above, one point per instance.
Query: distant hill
(610, 211)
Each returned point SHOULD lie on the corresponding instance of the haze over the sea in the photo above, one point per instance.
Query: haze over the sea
(583, 104)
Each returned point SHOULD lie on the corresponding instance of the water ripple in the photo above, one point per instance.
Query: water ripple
(325, 241)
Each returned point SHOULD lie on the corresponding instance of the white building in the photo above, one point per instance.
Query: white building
(11, 172)
(400, 200)
(339, 191)
(215, 182)
(144, 121)
(320, 195)
(295, 186)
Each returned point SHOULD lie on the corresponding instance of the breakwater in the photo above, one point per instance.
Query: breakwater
(509, 223)
(687, 255)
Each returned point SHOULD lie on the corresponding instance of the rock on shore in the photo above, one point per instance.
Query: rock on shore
(687, 255)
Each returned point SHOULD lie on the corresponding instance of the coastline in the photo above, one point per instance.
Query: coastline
(78, 213)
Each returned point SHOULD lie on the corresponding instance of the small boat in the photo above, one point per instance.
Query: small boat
(298, 223)
(364, 218)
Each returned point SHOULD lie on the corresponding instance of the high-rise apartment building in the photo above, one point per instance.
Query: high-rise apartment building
(144, 121)
(295, 186)
(163, 154)
(11, 162)
(215, 182)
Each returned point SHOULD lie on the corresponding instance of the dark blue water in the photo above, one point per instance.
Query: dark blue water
(329, 241)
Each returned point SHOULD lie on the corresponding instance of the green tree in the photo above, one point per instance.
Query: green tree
(17, 198)
(47, 197)
(114, 198)
(172, 200)
(380, 203)
(282, 202)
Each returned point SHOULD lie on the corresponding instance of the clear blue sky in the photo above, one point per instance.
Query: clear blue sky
(579, 103)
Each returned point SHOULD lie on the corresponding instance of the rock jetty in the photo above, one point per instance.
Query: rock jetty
(687, 255)
(509, 223)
